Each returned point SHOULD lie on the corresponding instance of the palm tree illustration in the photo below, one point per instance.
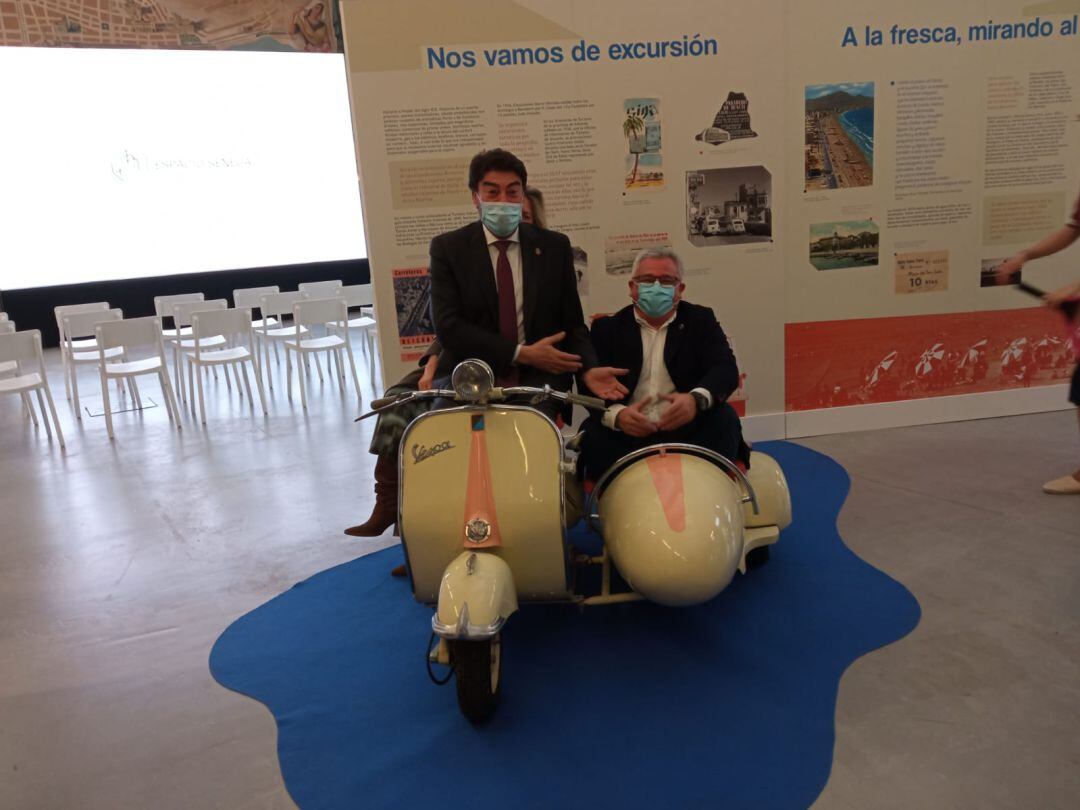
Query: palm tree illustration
(633, 125)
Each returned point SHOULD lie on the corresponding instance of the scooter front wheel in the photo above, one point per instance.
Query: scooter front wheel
(478, 667)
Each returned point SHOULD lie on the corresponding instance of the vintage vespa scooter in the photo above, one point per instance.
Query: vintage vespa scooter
(483, 508)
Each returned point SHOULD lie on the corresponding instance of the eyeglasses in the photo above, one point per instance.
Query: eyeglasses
(665, 281)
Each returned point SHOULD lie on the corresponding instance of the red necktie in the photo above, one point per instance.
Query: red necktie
(508, 326)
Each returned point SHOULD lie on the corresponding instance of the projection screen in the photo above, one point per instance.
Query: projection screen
(120, 164)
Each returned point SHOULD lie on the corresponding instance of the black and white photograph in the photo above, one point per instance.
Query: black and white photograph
(581, 269)
(988, 273)
(729, 206)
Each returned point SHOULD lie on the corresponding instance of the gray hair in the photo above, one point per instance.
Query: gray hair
(658, 253)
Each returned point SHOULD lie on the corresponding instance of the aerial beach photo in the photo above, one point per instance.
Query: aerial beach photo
(839, 135)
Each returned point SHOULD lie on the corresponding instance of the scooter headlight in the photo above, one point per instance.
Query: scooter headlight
(472, 379)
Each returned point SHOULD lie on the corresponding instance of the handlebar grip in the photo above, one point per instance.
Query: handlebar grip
(590, 402)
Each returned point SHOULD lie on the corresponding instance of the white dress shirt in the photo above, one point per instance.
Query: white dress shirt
(655, 379)
(513, 253)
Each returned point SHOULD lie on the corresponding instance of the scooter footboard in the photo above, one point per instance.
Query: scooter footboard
(476, 597)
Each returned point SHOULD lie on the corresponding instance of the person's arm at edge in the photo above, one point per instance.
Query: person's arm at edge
(1047, 246)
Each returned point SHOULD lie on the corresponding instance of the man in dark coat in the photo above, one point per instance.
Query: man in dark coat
(504, 291)
(681, 371)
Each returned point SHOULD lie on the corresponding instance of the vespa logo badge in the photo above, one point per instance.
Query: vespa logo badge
(421, 453)
(477, 530)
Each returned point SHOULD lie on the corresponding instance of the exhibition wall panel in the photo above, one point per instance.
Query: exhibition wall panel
(840, 177)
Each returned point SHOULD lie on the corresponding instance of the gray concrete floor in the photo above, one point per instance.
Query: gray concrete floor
(124, 561)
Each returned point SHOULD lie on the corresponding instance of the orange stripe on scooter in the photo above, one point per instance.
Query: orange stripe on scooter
(667, 477)
(479, 495)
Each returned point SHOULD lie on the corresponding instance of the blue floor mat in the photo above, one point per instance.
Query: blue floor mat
(728, 704)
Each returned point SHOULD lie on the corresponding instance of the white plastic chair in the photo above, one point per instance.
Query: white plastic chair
(249, 297)
(274, 306)
(76, 327)
(233, 326)
(7, 326)
(184, 346)
(10, 368)
(314, 313)
(319, 289)
(163, 305)
(134, 333)
(24, 350)
(84, 345)
(360, 296)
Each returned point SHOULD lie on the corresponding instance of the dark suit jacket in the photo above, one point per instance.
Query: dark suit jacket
(465, 301)
(696, 352)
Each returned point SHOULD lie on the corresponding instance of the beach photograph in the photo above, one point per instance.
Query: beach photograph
(840, 245)
(839, 133)
(641, 130)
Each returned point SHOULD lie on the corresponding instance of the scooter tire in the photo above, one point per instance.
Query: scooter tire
(478, 669)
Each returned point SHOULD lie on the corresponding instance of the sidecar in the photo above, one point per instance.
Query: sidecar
(678, 521)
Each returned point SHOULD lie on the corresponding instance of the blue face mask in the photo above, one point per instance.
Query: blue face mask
(502, 219)
(655, 300)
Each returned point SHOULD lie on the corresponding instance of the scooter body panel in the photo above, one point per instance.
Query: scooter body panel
(524, 496)
(476, 597)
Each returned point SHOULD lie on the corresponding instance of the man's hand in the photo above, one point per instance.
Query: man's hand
(428, 377)
(544, 356)
(631, 421)
(681, 410)
(1003, 273)
(601, 381)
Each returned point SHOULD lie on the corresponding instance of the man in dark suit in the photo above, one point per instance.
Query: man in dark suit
(504, 291)
(681, 371)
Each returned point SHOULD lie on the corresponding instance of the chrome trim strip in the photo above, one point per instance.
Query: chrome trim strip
(463, 630)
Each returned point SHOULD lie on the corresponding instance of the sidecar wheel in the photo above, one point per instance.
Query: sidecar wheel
(755, 558)
(478, 666)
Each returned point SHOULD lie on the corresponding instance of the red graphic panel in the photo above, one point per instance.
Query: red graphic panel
(854, 362)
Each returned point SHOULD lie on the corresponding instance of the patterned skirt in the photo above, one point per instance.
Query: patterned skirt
(392, 423)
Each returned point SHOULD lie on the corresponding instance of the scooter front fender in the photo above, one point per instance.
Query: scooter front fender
(476, 597)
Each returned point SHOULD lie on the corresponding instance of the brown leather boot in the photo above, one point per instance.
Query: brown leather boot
(384, 515)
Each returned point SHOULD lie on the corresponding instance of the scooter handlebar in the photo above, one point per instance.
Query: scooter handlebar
(587, 402)
(382, 404)
(496, 394)
(377, 404)
(547, 392)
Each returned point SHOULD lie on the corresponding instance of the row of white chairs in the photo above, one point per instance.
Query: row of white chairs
(205, 335)
(217, 336)
(79, 346)
(270, 327)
